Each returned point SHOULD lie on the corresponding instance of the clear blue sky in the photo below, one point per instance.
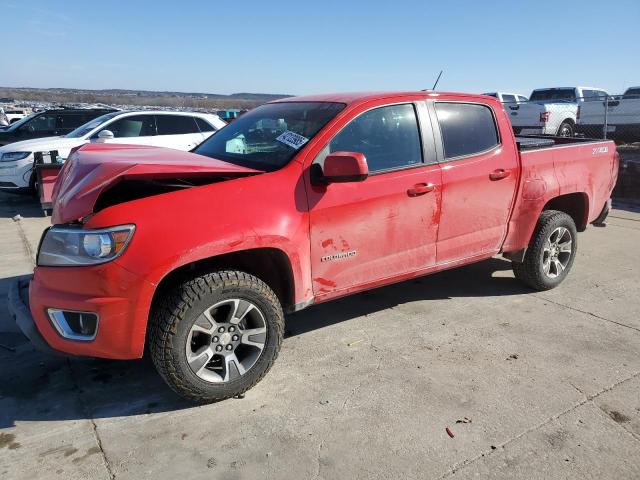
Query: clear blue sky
(311, 47)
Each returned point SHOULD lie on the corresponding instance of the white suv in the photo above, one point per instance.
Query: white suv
(179, 130)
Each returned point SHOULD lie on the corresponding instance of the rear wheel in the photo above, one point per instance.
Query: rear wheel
(551, 252)
(217, 335)
(566, 129)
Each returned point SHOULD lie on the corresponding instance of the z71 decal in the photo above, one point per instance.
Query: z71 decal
(600, 150)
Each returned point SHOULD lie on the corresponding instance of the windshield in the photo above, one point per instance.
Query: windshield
(559, 94)
(268, 137)
(82, 130)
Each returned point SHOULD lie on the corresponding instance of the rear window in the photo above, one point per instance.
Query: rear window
(632, 93)
(508, 98)
(554, 94)
(467, 129)
(176, 125)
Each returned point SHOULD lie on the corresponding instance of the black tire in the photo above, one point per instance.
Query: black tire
(566, 129)
(172, 321)
(532, 270)
(33, 185)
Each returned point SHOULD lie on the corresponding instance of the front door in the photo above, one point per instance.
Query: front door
(132, 130)
(382, 227)
(479, 174)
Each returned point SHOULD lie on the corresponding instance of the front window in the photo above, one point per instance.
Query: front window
(82, 130)
(268, 137)
(43, 123)
(387, 136)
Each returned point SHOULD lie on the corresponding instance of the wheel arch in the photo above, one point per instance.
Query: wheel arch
(570, 120)
(271, 265)
(576, 205)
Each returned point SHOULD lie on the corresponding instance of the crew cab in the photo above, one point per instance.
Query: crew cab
(196, 255)
(179, 130)
(553, 111)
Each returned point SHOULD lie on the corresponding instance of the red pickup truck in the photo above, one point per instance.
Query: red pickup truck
(196, 255)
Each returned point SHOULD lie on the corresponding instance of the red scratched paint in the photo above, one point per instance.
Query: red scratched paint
(467, 215)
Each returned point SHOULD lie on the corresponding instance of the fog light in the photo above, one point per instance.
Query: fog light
(74, 325)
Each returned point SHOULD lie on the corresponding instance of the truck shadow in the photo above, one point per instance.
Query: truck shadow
(474, 280)
(23, 204)
(38, 387)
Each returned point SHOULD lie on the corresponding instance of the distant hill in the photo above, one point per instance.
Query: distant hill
(118, 96)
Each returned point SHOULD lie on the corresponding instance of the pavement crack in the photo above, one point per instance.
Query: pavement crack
(585, 312)
(355, 389)
(25, 243)
(319, 460)
(87, 414)
(617, 424)
(587, 398)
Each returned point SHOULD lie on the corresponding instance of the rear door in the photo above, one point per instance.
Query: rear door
(479, 175)
(386, 225)
(180, 132)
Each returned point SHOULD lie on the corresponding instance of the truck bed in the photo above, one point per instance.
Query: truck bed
(536, 142)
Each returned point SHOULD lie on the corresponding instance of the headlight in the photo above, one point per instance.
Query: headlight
(74, 246)
(13, 156)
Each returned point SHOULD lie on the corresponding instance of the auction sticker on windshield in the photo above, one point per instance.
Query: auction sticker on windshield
(292, 139)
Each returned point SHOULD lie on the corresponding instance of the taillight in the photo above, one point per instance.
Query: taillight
(578, 113)
(544, 117)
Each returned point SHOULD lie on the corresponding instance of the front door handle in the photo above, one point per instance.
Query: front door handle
(499, 174)
(420, 189)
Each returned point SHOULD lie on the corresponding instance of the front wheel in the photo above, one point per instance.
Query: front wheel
(215, 336)
(551, 252)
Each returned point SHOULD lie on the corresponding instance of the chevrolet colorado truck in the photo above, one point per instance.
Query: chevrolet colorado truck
(196, 255)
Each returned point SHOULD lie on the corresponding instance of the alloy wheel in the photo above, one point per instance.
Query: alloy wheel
(226, 340)
(557, 252)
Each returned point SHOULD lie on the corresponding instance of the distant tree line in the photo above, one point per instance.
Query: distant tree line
(161, 100)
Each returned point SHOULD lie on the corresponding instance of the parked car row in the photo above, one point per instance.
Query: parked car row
(72, 128)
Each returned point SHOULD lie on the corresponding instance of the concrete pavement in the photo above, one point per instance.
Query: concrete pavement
(531, 385)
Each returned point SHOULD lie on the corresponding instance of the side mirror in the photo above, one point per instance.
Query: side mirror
(342, 167)
(105, 135)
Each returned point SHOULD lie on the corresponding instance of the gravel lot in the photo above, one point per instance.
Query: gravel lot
(531, 385)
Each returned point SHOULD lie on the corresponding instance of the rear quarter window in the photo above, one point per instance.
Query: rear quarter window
(467, 129)
(204, 126)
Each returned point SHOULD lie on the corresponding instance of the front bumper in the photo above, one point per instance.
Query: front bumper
(16, 176)
(18, 303)
(119, 298)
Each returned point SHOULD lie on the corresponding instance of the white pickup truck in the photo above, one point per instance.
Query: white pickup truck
(622, 116)
(552, 111)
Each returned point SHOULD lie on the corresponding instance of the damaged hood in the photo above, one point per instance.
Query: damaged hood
(95, 168)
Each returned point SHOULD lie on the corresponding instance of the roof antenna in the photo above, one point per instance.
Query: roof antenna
(437, 80)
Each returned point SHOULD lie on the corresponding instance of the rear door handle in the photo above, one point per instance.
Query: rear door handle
(499, 174)
(420, 189)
